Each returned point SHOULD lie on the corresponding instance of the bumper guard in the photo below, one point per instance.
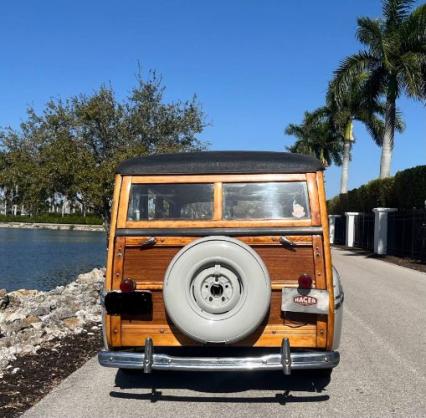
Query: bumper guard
(285, 361)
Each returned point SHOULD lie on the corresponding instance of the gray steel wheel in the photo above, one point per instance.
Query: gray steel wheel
(217, 290)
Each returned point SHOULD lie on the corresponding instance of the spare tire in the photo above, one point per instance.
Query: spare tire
(217, 290)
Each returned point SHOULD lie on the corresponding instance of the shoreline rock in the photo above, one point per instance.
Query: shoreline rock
(52, 226)
(29, 319)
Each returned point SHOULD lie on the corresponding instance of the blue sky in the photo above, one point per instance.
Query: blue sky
(255, 66)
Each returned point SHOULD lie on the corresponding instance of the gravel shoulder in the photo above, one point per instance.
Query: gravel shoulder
(45, 336)
(33, 376)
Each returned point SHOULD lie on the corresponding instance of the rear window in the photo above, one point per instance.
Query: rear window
(170, 201)
(265, 200)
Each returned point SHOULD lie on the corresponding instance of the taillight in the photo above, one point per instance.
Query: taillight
(128, 285)
(305, 281)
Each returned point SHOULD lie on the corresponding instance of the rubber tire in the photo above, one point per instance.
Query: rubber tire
(240, 321)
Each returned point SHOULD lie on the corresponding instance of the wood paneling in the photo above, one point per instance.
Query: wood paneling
(318, 257)
(117, 276)
(300, 328)
(284, 265)
(327, 258)
(148, 266)
(270, 336)
(111, 338)
(274, 317)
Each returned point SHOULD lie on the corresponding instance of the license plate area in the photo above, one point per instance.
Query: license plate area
(131, 303)
(314, 301)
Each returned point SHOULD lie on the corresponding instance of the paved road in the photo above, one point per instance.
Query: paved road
(382, 371)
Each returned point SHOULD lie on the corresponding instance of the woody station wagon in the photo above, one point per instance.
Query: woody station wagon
(221, 261)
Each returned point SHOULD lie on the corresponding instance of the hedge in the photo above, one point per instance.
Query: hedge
(54, 218)
(406, 190)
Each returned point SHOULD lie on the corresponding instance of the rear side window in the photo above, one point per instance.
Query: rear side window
(170, 201)
(265, 200)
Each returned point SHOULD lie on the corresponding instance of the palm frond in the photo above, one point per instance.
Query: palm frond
(399, 121)
(316, 136)
(376, 129)
(374, 84)
(396, 11)
(411, 74)
(352, 67)
(369, 32)
(294, 130)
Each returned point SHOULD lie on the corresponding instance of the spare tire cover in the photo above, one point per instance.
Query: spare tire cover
(217, 290)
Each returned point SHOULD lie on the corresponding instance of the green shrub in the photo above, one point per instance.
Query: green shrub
(410, 187)
(404, 191)
(54, 218)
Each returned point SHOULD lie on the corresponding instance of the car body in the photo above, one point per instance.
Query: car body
(221, 261)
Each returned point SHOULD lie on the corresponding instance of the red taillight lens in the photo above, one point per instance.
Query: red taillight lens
(305, 281)
(128, 285)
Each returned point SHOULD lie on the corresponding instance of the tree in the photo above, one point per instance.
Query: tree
(21, 177)
(353, 104)
(327, 133)
(316, 136)
(73, 146)
(393, 60)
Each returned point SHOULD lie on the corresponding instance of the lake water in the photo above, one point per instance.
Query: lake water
(43, 259)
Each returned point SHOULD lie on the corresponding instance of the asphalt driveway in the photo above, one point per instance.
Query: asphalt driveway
(382, 370)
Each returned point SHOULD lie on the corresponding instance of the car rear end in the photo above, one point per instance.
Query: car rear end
(218, 266)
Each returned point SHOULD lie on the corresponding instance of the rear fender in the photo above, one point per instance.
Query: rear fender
(338, 308)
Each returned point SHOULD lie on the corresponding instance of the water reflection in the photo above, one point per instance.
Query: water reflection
(43, 259)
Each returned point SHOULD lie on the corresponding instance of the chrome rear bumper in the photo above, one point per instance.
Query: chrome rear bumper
(293, 361)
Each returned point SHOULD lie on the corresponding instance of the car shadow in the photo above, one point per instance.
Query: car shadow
(218, 384)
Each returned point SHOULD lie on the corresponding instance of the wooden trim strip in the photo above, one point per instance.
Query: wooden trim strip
(299, 240)
(313, 199)
(147, 285)
(109, 324)
(115, 321)
(114, 210)
(200, 232)
(327, 258)
(124, 202)
(214, 178)
(217, 223)
(218, 201)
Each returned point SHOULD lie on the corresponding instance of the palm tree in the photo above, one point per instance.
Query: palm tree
(327, 133)
(393, 60)
(316, 136)
(353, 104)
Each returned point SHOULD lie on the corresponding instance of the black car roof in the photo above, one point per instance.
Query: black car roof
(220, 162)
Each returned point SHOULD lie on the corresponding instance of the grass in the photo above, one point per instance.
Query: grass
(54, 218)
